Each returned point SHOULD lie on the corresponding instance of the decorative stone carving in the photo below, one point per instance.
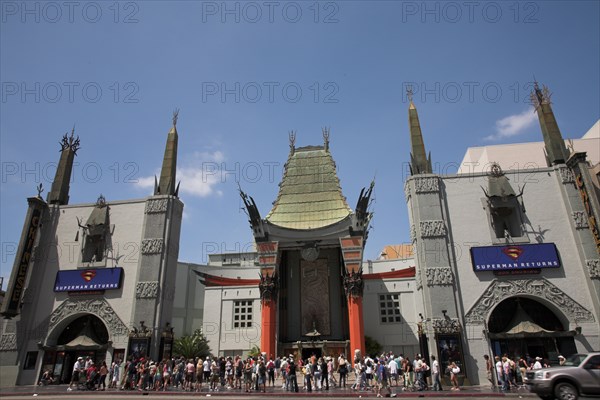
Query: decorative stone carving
(407, 190)
(98, 307)
(314, 305)
(427, 185)
(268, 286)
(580, 219)
(419, 278)
(445, 325)
(566, 175)
(413, 233)
(439, 276)
(156, 206)
(354, 284)
(152, 246)
(594, 268)
(146, 290)
(500, 290)
(8, 342)
(432, 228)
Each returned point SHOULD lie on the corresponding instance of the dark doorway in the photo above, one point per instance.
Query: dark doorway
(523, 327)
(312, 351)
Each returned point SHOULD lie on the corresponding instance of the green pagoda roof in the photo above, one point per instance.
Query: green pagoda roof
(310, 195)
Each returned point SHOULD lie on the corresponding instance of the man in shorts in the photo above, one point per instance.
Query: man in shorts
(77, 368)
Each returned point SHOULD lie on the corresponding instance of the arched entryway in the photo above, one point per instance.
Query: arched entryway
(85, 336)
(523, 326)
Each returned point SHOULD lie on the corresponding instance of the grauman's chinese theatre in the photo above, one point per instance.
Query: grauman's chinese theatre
(310, 247)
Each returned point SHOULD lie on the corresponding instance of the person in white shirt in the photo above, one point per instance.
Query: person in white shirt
(538, 363)
(393, 370)
(77, 369)
(435, 374)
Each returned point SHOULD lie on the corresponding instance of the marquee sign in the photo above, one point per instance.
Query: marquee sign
(515, 257)
(88, 279)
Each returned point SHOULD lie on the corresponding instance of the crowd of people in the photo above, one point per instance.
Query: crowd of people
(509, 373)
(379, 374)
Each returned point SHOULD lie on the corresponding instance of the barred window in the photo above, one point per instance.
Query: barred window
(389, 308)
(242, 314)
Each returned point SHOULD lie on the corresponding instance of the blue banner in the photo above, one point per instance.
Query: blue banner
(515, 257)
(88, 279)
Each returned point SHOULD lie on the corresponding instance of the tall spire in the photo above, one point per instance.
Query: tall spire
(556, 152)
(419, 163)
(166, 184)
(59, 193)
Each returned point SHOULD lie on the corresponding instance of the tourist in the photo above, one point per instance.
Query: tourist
(292, 376)
(77, 369)
(435, 374)
(342, 370)
(271, 371)
(454, 371)
(103, 372)
(489, 370)
(47, 378)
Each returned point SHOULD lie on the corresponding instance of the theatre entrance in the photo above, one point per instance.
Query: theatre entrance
(524, 327)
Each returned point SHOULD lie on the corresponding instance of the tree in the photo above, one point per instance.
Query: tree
(373, 347)
(191, 346)
(254, 351)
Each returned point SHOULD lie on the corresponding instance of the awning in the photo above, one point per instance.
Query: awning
(522, 326)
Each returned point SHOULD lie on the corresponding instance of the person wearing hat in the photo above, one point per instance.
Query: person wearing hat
(538, 363)
(77, 368)
(561, 360)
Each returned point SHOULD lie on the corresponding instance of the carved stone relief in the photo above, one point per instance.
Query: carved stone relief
(314, 301)
(146, 290)
(445, 325)
(594, 268)
(98, 307)
(427, 185)
(419, 278)
(156, 206)
(439, 276)
(566, 175)
(407, 190)
(8, 342)
(432, 228)
(152, 246)
(580, 219)
(500, 290)
(413, 233)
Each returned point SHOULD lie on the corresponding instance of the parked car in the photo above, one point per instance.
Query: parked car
(578, 376)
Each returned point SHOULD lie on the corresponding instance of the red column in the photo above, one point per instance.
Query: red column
(268, 328)
(356, 324)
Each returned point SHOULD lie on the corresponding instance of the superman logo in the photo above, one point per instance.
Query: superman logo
(513, 252)
(88, 275)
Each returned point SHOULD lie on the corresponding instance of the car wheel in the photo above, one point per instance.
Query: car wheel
(565, 391)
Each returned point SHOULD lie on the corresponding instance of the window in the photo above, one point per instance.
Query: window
(30, 360)
(242, 314)
(389, 308)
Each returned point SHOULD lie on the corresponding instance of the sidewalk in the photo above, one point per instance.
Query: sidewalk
(467, 391)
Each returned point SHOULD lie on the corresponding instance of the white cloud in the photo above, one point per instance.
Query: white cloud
(512, 125)
(199, 176)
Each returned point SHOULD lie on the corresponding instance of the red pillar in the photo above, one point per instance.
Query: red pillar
(356, 324)
(268, 344)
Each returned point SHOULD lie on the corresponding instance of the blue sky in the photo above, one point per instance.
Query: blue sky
(244, 74)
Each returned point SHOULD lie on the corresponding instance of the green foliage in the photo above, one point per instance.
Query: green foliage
(254, 351)
(373, 347)
(191, 346)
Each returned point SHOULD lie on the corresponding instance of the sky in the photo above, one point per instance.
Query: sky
(245, 74)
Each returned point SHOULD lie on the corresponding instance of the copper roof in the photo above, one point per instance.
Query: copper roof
(310, 195)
